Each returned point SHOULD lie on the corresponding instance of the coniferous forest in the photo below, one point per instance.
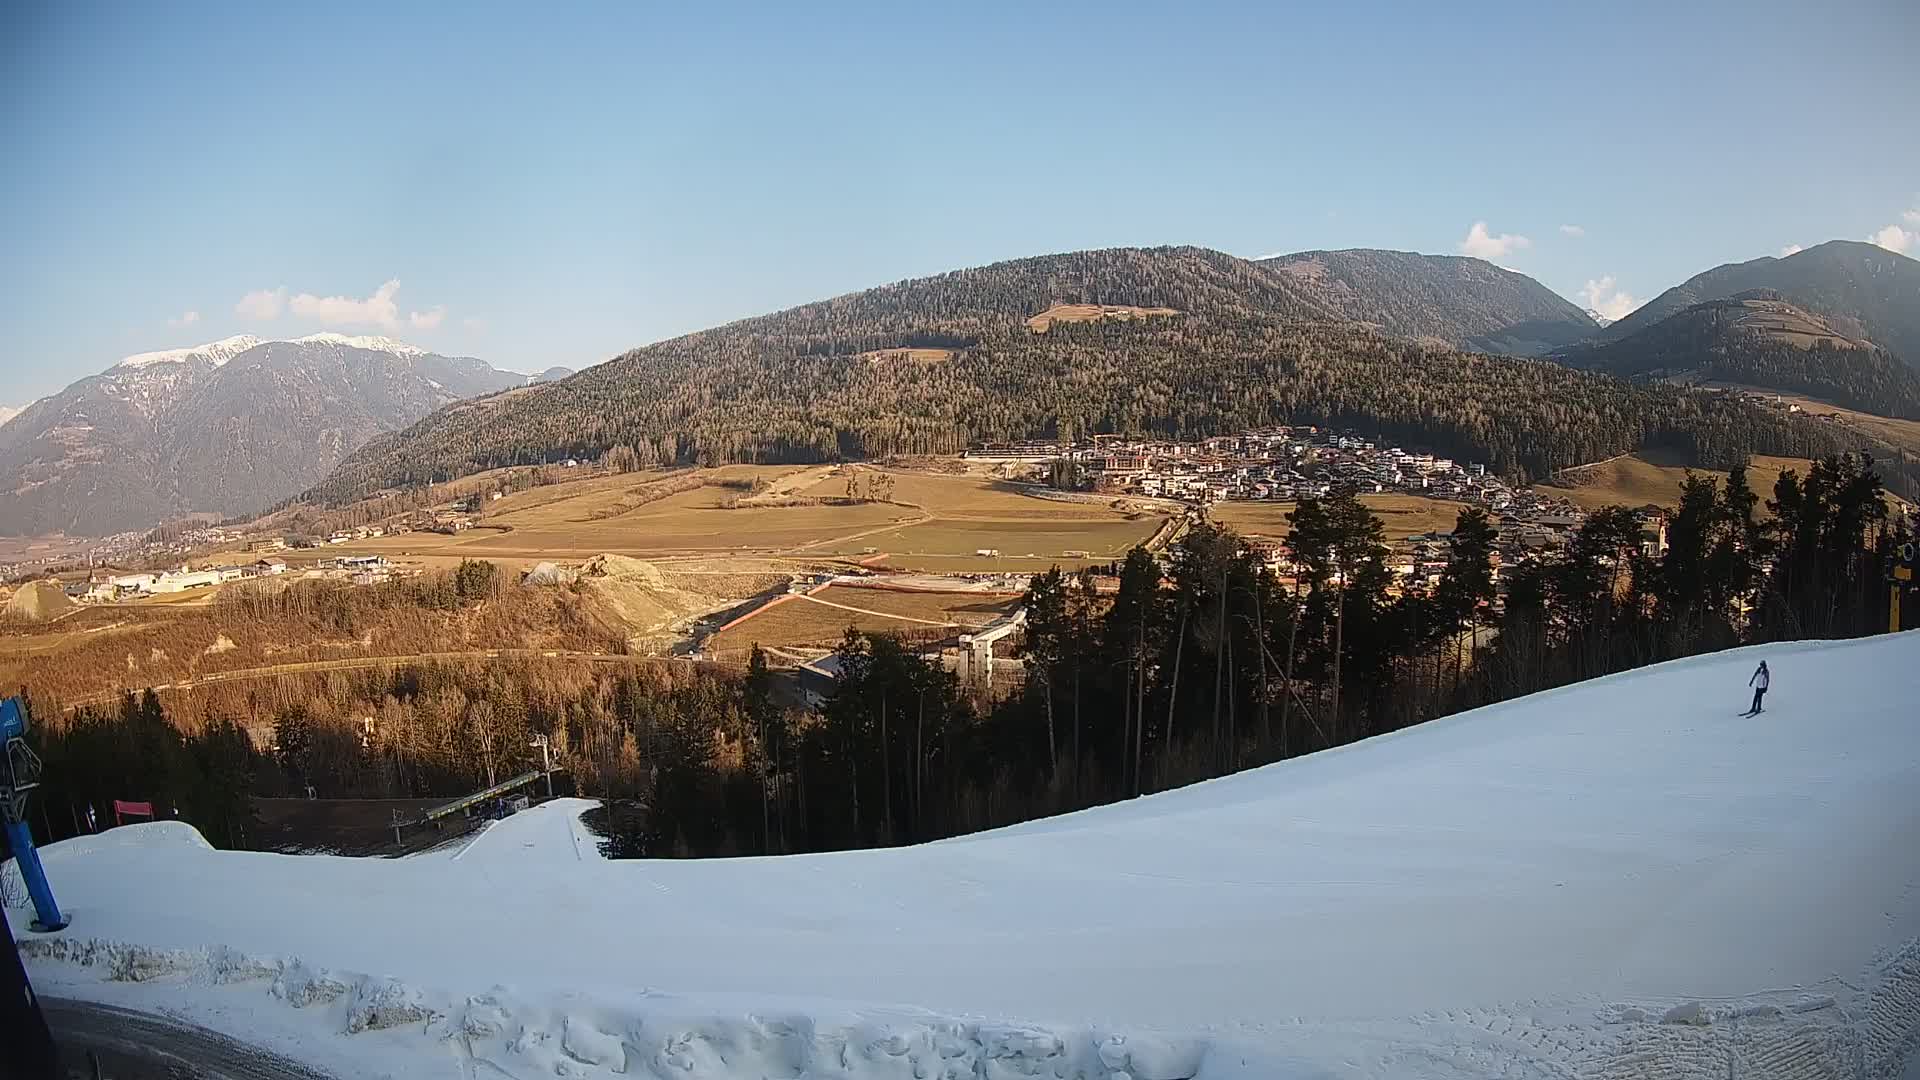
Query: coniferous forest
(1199, 664)
(1251, 344)
(1758, 339)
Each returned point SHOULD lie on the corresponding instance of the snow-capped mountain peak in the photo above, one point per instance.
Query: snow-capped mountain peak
(215, 352)
(219, 352)
(373, 343)
(227, 427)
(1598, 318)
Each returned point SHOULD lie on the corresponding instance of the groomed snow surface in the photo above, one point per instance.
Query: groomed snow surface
(1618, 879)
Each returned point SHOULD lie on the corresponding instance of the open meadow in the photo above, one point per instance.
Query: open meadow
(1402, 515)
(1653, 478)
(918, 520)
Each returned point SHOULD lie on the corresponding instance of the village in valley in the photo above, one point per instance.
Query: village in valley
(1248, 481)
(1281, 465)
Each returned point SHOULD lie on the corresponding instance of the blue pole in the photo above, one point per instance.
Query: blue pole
(36, 878)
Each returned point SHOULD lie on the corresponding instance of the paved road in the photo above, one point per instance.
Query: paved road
(131, 1045)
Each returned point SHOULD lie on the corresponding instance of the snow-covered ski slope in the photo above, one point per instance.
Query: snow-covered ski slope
(1618, 879)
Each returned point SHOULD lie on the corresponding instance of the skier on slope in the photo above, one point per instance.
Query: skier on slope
(1759, 683)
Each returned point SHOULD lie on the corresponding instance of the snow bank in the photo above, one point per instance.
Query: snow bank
(1620, 878)
(150, 835)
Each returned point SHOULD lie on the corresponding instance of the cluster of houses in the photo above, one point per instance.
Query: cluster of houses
(359, 569)
(1285, 464)
(106, 587)
(101, 586)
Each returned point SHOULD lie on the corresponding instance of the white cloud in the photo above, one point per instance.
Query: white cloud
(1573, 230)
(185, 318)
(377, 309)
(262, 304)
(1480, 245)
(1607, 298)
(1791, 249)
(1895, 238)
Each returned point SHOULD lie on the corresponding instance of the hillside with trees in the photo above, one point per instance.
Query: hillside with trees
(1759, 339)
(1248, 345)
(1863, 290)
(1191, 669)
(1447, 299)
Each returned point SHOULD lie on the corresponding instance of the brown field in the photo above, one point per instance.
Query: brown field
(804, 622)
(688, 522)
(948, 496)
(911, 356)
(966, 608)
(1044, 321)
(585, 495)
(798, 623)
(18, 548)
(1023, 545)
(933, 521)
(1646, 478)
(1402, 515)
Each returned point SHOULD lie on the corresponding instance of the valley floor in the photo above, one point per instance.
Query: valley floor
(1618, 879)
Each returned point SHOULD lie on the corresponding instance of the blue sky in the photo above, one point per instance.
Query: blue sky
(554, 184)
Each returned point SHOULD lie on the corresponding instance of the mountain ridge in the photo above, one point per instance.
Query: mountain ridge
(1457, 300)
(1863, 290)
(227, 427)
(1175, 340)
(1759, 338)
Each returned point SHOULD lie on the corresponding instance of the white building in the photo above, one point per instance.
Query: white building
(124, 584)
(179, 581)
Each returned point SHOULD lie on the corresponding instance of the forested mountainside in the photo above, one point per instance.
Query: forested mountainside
(227, 428)
(1759, 339)
(1449, 299)
(930, 366)
(1863, 290)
